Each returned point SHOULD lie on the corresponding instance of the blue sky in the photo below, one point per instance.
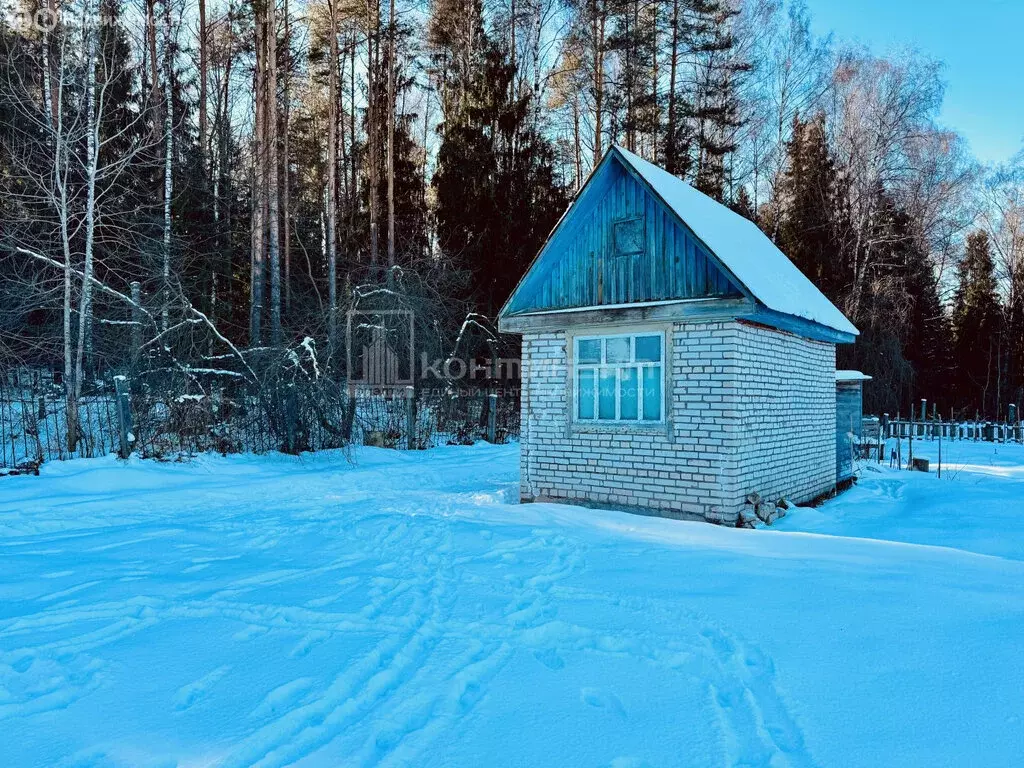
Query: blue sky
(981, 43)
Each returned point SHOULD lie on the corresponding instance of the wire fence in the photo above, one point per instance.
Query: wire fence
(34, 425)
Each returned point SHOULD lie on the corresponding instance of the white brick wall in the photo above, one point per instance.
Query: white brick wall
(750, 409)
(787, 397)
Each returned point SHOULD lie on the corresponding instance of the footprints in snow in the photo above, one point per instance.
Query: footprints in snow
(189, 695)
(755, 721)
(284, 698)
(549, 658)
(30, 683)
(602, 699)
(307, 643)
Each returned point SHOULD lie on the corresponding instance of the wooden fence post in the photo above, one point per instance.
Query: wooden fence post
(410, 417)
(910, 441)
(124, 416)
(883, 435)
(291, 417)
(492, 416)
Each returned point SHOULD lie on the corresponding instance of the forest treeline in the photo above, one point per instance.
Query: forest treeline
(199, 186)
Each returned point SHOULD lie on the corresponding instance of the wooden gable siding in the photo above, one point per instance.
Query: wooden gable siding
(579, 267)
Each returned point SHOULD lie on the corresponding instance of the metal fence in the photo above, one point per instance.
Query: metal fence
(935, 429)
(883, 438)
(34, 423)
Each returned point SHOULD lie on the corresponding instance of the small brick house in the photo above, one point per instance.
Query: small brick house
(674, 360)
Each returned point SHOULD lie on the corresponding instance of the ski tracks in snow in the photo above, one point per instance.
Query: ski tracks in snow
(432, 603)
(395, 702)
(369, 684)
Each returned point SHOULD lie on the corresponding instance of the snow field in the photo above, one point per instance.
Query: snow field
(401, 609)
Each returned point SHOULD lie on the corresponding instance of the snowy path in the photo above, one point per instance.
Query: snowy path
(400, 611)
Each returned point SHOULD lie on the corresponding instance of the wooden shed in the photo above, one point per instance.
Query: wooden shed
(849, 420)
(674, 360)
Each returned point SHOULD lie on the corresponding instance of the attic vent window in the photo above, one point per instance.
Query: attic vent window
(628, 236)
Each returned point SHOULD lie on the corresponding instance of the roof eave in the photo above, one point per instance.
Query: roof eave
(800, 326)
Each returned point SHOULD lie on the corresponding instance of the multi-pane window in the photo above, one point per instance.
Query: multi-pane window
(619, 378)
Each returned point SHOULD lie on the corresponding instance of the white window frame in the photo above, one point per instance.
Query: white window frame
(638, 365)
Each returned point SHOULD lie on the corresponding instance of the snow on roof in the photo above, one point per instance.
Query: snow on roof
(743, 248)
(852, 376)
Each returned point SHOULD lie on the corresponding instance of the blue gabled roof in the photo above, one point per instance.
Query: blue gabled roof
(764, 270)
(693, 247)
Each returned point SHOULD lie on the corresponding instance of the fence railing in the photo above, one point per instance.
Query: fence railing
(884, 438)
(151, 424)
(934, 429)
(34, 427)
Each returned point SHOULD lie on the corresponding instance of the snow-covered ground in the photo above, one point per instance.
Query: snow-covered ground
(402, 610)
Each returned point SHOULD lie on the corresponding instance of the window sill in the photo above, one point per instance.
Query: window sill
(619, 427)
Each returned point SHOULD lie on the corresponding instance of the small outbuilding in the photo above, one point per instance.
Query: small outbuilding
(849, 421)
(674, 361)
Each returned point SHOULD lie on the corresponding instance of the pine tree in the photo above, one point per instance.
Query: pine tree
(927, 337)
(976, 327)
(492, 162)
(715, 105)
(743, 205)
(806, 207)
(407, 195)
(633, 99)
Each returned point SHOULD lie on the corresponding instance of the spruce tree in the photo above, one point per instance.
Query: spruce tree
(495, 189)
(807, 226)
(714, 108)
(744, 206)
(927, 336)
(976, 327)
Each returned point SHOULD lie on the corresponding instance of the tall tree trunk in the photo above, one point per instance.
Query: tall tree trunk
(257, 267)
(352, 159)
(372, 29)
(151, 32)
(168, 162)
(343, 179)
(61, 167)
(204, 145)
(89, 222)
(537, 18)
(577, 149)
(331, 224)
(221, 179)
(49, 94)
(598, 27)
(392, 64)
(424, 171)
(630, 77)
(656, 121)
(273, 191)
(286, 167)
(671, 157)
(513, 20)
(204, 120)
